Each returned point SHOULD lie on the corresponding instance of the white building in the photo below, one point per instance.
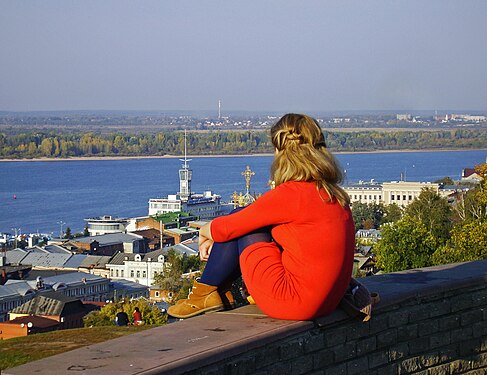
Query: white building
(401, 193)
(105, 225)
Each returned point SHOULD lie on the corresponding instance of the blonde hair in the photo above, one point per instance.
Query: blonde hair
(302, 156)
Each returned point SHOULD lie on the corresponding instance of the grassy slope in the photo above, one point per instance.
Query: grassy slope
(20, 350)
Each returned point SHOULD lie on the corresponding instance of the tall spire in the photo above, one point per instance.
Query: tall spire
(185, 174)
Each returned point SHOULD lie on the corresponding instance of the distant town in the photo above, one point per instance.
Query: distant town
(106, 120)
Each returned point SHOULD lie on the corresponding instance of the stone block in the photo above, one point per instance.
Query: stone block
(440, 308)
(461, 302)
(459, 366)
(357, 330)
(398, 351)
(340, 369)
(418, 313)
(479, 361)
(449, 322)
(314, 343)
(378, 323)
(386, 338)
(366, 345)
(427, 327)
(267, 356)
(440, 370)
(323, 358)
(410, 365)
(335, 336)
(302, 365)
(480, 329)
(279, 368)
(470, 347)
(419, 345)
(448, 353)
(479, 298)
(292, 349)
(242, 366)
(429, 359)
(439, 339)
(344, 352)
(407, 332)
(318, 372)
(378, 359)
(461, 334)
(387, 370)
(358, 366)
(398, 318)
(470, 317)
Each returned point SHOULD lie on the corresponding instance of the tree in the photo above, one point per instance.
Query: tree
(405, 244)
(151, 314)
(367, 215)
(86, 233)
(468, 242)
(68, 234)
(392, 213)
(434, 212)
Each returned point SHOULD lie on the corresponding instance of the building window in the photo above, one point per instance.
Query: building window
(138, 273)
(116, 272)
(121, 273)
(144, 274)
(131, 273)
(403, 197)
(392, 197)
(157, 294)
(410, 197)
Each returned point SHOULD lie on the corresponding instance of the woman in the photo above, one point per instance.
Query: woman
(293, 246)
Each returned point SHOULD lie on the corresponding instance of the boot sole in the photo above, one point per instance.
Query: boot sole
(199, 312)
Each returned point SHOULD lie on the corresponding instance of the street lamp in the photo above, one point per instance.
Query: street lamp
(61, 223)
(17, 232)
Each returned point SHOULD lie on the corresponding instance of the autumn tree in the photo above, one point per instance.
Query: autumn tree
(433, 212)
(405, 244)
(151, 314)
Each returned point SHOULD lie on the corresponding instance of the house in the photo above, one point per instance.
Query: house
(469, 175)
(67, 311)
(77, 285)
(26, 325)
(108, 244)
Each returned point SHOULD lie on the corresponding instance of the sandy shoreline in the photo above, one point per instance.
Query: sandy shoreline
(98, 158)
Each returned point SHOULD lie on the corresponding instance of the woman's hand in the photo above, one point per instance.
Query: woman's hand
(205, 242)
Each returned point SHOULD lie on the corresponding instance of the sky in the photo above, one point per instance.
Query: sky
(253, 55)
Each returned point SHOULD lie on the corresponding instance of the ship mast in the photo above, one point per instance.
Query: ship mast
(185, 175)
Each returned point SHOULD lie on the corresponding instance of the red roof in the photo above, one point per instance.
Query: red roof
(37, 321)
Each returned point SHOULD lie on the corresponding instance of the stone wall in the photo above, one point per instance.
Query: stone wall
(428, 321)
(444, 333)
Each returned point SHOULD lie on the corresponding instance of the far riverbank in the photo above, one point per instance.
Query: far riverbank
(168, 156)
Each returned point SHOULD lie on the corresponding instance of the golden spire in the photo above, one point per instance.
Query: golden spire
(248, 175)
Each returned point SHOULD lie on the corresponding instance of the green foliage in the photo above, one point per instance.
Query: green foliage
(151, 314)
(405, 244)
(392, 213)
(433, 212)
(367, 215)
(468, 242)
(171, 279)
(35, 143)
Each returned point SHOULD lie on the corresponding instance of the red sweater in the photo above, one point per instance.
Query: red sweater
(305, 272)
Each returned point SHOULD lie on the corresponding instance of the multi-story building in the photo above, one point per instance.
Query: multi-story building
(401, 193)
(105, 225)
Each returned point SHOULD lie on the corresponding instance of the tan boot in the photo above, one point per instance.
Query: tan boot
(202, 298)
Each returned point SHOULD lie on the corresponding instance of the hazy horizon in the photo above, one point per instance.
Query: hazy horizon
(256, 57)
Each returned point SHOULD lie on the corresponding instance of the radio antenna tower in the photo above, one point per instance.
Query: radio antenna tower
(219, 109)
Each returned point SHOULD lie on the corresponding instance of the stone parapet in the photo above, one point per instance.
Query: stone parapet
(429, 321)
